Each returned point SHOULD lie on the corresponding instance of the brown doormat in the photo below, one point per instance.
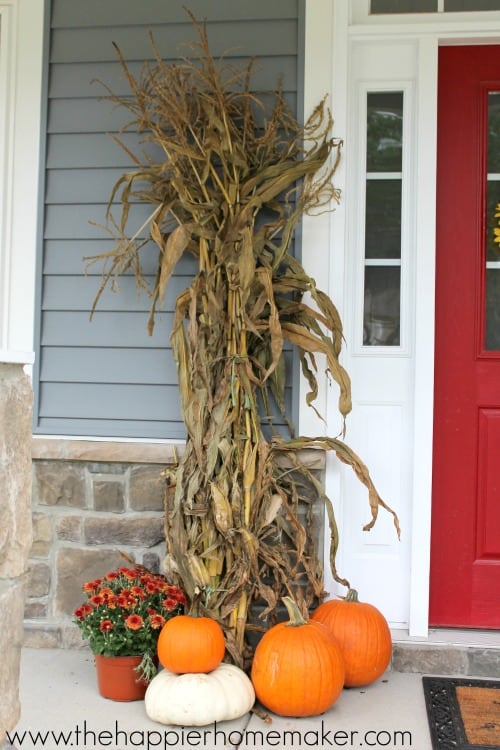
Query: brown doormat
(463, 714)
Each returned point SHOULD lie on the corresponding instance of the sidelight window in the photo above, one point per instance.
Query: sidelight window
(383, 210)
(492, 291)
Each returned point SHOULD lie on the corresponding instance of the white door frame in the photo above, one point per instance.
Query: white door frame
(331, 29)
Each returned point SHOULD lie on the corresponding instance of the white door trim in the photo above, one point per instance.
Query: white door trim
(428, 32)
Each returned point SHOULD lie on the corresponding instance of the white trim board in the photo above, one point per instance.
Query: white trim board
(21, 45)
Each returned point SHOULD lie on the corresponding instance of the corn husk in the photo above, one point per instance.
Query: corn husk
(233, 182)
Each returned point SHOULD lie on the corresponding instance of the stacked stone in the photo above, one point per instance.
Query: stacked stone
(85, 514)
(15, 530)
(86, 511)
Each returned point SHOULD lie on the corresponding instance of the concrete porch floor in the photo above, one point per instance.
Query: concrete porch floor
(61, 706)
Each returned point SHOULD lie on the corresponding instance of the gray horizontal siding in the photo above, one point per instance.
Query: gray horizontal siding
(74, 293)
(153, 429)
(78, 185)
(107, 329)
(80, 79)
(109, 364)
(111, 401)
(275, 37)
(65, 257)
(69, 14)
(97, 150)
(102, 365)
(107, 377)
(66, 117)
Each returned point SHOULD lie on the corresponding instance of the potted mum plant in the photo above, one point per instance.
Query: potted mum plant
(121, 618)
(230, 180)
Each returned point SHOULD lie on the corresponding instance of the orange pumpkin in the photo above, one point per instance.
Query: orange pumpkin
(363, 635)
(297, 667)
(191, 644)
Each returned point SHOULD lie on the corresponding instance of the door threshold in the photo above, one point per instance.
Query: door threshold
(451, 636)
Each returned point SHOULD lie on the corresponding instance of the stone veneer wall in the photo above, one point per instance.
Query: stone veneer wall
(15, 530)
(90, 502)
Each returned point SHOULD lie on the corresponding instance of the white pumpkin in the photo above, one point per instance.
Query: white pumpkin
(198, 699)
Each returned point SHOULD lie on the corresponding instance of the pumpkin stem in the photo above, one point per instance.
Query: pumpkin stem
(352, 596)
(294, 613)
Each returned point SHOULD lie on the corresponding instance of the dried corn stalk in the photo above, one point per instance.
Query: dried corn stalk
(231, 189)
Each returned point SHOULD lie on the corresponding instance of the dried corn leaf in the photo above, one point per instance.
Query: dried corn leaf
(172, 250)
(233, 182)
(272, 509)
(223, 517)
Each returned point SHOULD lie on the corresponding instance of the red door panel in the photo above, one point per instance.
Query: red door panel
(465, 542)
(488, 504)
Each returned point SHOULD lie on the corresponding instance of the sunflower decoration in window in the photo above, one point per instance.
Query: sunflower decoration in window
(496, 230)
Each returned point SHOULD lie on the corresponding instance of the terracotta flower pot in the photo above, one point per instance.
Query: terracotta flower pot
(117, 678)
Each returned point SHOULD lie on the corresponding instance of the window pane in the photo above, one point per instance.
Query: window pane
(458, 5)
(493, 199)
(383, 219)
(382, 306)
(403, 6)
(384, 132)
(494, 132)
(493, 309)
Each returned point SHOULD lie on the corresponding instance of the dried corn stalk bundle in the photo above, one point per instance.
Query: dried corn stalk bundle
(233, 182)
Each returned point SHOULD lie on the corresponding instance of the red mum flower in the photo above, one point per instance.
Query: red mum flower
(134, 622)
(92, 585)
(111, 576)
(138, 592)
(97, 600)
(151, 587)
(130, 575)
(170, 604)
(156, 621)
(106, 626)
(177, 594)
(106, 593)
(126, 599)
(82, 612)
(174, 593)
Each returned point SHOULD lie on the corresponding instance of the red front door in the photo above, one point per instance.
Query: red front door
(465, 549)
